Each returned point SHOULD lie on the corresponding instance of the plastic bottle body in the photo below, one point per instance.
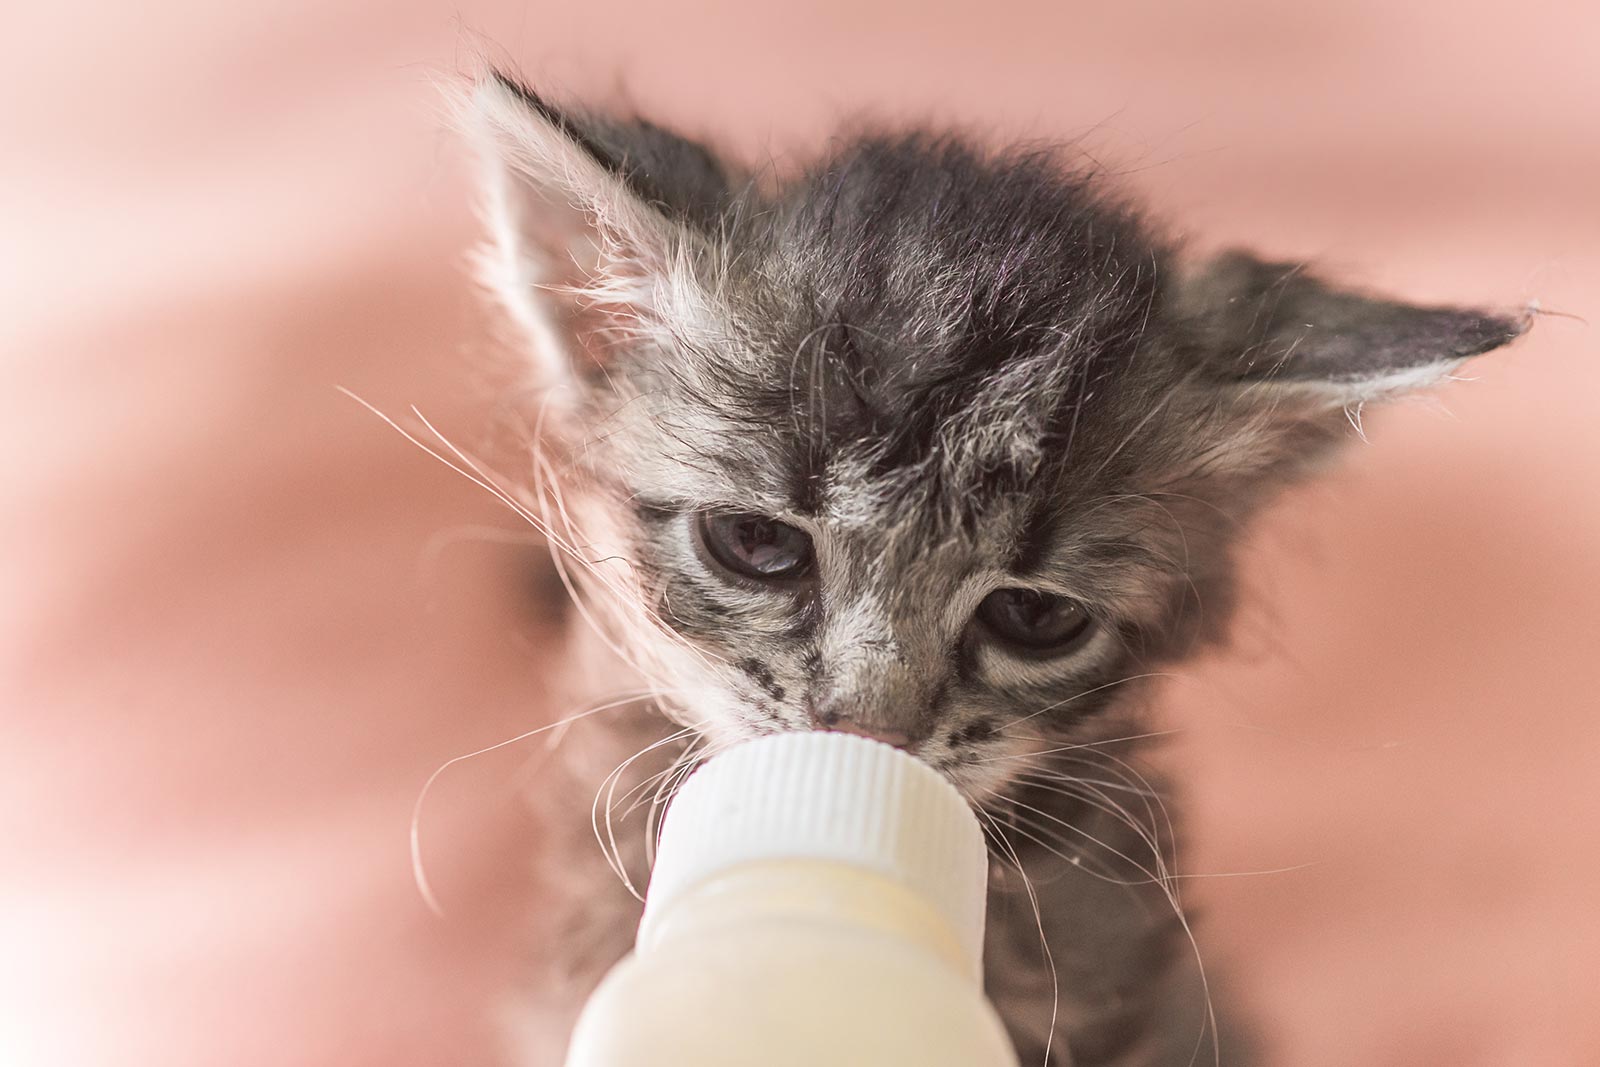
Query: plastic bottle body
(794, 962)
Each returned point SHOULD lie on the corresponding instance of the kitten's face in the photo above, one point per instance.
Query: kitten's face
(878, 487)
(926, 444)
(946, 642)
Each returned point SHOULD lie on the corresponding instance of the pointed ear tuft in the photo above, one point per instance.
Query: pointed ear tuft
(1257, 322)
(507, 87)
(580, 207)
(679, 177)
(556, 190)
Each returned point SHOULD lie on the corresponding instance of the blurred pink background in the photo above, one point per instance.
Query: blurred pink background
(241, 620)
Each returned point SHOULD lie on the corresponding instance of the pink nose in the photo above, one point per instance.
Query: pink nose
(896, 738)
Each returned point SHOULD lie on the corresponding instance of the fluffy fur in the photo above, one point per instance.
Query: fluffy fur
(956, 369)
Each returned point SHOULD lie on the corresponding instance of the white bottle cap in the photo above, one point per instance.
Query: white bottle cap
(829, 796)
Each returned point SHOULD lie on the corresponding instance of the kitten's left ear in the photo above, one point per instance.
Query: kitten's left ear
(1279, 330)
(592, 210)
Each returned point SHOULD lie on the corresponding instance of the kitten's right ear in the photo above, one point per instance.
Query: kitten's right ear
(593, 210)
(1277, 329)
(1284, 362)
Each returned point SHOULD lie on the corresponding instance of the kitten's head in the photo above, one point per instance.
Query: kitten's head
(928, 442)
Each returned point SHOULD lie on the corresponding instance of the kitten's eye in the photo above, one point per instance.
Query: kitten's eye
(1034, 620)
(754, 546)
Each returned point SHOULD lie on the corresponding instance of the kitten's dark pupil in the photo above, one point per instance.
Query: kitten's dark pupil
(1033, 619)
(756, 546)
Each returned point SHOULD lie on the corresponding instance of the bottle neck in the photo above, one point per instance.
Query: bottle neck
(790, 890)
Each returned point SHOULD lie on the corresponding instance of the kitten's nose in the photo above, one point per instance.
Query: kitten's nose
(897, 738)
(826, 720)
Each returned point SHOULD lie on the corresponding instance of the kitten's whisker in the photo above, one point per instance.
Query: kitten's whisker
(548, 489)
(580, 602)
(1160, 876)
(489, 487)
(665, 783)
(1082, 861)
(1149, 796)
(1038, 919)
(543, 493)
(487, 480)
(1145, 792)
(1089, 791)
(1086, 835)
(1044, 778)
(418, 874)
(1253, 873)
(1087, 692)
(1166, 885)
(475, 475)
(654, 818)
(640, 793)
(1079, 745)
(1154, 797)
(666, 786)
(608, 786)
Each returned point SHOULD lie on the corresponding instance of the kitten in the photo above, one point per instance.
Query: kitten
(932, 443)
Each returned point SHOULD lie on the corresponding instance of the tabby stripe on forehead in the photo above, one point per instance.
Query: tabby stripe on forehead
(1034, 538)
(809, 483)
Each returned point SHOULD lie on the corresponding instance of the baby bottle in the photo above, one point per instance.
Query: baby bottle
(817, 899)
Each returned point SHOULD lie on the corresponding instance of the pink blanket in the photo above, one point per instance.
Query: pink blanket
(241, 620)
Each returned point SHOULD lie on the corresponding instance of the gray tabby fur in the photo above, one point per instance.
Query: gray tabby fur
(957, 369)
